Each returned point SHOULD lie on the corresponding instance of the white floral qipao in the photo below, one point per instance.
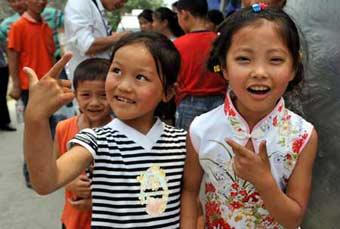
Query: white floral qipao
(228, 201)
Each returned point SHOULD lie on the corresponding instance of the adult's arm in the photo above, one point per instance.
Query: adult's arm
(80, 25)
(101, 44)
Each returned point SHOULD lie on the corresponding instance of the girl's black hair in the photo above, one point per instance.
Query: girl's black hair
(215, 16)
(146, 14)
(164, 13)
(165, 55)
(245, 17)
(197, 8)
(90, 70)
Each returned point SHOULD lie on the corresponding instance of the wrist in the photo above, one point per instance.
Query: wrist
(266, 183)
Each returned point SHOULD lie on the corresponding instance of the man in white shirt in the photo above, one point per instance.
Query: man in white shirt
(87, 33)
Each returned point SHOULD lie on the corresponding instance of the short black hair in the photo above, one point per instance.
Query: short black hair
(165, 55)
(245, 17)
(146, 14)
(197, 8)
(215, 16)
(90, 70)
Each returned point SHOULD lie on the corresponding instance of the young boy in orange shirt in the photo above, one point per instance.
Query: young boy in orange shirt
(89, 85)
(30, 44)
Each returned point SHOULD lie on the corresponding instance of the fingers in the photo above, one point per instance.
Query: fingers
(263, 152)
(238, 149)
(55, 71)
(84, 178)
(32, 76)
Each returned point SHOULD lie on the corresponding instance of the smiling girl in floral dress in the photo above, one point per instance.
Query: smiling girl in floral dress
(253, 156)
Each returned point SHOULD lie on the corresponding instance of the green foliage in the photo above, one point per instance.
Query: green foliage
(142, 4)
(114, 17)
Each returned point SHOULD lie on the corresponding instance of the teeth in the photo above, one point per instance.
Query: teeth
(259, 88)
(121, 99)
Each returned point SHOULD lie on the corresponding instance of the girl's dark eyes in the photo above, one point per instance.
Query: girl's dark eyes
(276, 60)
(116, 70)
(141, 77)
(242, 59)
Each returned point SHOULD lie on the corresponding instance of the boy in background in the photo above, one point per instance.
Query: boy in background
(199, 91)
(30, 44)
(89, 85)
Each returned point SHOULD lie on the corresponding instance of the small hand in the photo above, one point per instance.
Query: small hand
(81, 204)
(15, 92)
(250, 166)
(49, 93)
(81, 187)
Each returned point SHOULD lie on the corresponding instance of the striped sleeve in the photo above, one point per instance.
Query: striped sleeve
(86, 138)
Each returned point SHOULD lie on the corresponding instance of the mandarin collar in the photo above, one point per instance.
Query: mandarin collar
(240, 127)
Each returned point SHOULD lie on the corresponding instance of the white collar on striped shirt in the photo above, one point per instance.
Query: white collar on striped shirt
(146, 141)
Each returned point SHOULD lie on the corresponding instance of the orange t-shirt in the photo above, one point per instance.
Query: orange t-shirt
(71, 217)
(34, 42)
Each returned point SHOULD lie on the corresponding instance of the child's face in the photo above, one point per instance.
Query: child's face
(144, 24)
(92, 101)
(182, 17)
(158, 25)
(133, 86)
(259, 67)
(36, 6)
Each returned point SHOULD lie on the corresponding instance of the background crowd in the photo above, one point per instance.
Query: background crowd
(31, 37)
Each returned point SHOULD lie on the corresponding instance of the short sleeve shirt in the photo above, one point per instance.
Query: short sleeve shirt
(136, 178)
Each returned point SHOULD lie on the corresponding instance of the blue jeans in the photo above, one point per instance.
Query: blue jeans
(192, 106)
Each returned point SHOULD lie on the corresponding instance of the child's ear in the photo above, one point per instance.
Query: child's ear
(185, 14)
(225, 74)
(171, 92)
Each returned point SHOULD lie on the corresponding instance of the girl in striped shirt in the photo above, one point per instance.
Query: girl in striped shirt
(137, 159)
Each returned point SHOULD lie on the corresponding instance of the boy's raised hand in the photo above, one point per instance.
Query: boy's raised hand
(250, 166)
(49, 93)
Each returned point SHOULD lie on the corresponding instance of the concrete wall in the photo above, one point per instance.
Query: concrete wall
(319, 21)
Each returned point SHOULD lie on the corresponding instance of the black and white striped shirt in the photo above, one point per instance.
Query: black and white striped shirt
(136, 178)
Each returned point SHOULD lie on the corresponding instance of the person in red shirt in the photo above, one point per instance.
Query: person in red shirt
(198, 90)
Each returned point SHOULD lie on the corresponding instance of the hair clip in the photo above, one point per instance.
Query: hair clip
(257, 7)
(217, 68)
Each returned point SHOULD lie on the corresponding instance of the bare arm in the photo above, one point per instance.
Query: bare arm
(101, 44)
(191, 186)
(288, 208)
(13, 64)
(46, 96)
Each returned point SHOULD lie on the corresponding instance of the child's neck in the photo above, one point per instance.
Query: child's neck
(168, 34)
(197, 24)
(251, 117)
(35, 16)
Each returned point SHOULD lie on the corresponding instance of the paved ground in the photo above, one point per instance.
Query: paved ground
(20, 207)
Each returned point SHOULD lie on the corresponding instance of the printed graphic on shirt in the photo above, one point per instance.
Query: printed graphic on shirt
(154, 191)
